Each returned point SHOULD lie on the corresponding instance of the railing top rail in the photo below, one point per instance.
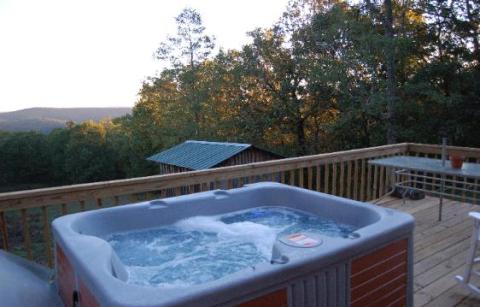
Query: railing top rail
(32, 198)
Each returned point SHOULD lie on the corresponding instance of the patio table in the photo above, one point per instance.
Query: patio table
(421, 172)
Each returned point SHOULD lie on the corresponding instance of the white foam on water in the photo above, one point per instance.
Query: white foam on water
(261, 235)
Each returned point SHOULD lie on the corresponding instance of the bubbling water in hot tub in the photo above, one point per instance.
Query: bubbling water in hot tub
(202, 249)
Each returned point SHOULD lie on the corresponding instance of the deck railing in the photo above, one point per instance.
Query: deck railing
(25, 216)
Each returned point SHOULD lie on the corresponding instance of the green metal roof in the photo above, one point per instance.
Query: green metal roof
(197, 155)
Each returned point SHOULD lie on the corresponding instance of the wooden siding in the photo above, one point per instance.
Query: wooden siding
(380, 277)
(170, 169)
(249, 155)
(275, 299)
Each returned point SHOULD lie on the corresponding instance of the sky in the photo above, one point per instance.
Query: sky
(96, 53)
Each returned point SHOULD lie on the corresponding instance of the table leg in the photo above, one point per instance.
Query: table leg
(440, 205)
(407, 187)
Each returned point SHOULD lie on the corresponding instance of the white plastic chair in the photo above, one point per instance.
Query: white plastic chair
(471, 259)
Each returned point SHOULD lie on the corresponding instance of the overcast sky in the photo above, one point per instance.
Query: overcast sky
(60, 53)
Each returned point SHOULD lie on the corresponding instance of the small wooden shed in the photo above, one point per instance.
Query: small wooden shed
(198, 155)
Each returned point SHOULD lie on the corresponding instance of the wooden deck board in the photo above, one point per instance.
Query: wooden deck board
(440, 250)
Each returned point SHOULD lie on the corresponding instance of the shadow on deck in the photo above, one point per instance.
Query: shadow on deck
(440, 250)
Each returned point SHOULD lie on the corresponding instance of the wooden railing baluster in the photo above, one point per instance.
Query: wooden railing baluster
(375, 182)
(310, 178)
(326, 179)
(82, 205)
(64, 209)
(27, 239)
(349, 185)
(318, 179)
(4, 230)
(369, 195)
(381, 178)
(342, 179)
(334, 179)
(301, 177)
(363, 174)
(47, 236)
(356, 180)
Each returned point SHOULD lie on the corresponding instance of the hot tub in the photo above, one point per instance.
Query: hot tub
(213, 249)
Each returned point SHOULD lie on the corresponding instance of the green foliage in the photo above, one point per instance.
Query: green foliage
(327, 76)
(24, 158)
(79, 153)
(190, 45)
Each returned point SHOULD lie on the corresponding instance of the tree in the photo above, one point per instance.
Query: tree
(190, 46)
(87, 155)
(391, 115)
(280, 81)
(24, 159)
(185, 52)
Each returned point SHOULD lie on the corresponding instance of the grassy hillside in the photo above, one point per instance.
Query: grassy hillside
(47, 119)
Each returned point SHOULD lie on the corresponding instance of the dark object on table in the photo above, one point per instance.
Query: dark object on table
(400, 192)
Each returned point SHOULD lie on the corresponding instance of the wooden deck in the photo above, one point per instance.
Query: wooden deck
(440, 250)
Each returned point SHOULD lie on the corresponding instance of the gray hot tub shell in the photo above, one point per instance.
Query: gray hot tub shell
(373, 265)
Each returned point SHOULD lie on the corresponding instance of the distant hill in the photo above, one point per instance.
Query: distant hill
(46, 119)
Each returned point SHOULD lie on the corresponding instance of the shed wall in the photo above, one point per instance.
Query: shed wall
(249, 155)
